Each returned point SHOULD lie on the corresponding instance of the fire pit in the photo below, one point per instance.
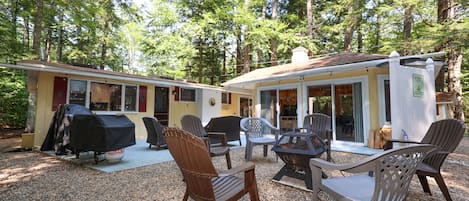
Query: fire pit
(296, 149)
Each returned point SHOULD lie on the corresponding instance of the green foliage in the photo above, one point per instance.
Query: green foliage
(13, 99)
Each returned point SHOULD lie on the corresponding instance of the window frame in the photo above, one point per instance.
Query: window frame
(227, 101)
(382, 99)
(123, 93)
(181, 97)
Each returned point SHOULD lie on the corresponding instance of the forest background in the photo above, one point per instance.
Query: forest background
(211, 41)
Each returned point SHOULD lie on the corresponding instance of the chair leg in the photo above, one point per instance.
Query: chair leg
(186, 195)
(443, 187)
(228, 160)
(240, 142)
(424, 182)
(149, 146)
(253, 193)
(265, 150)
(248, 152)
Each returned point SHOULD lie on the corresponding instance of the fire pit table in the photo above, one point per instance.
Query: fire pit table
(296, 149)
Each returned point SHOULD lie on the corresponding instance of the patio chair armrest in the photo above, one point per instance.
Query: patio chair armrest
(389, 143)
(206, 142)
(235, 170)
(362, 165)
(220, 135)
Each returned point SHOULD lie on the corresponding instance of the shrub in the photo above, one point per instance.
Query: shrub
(13, 98)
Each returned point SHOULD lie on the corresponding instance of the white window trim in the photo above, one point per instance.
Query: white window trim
(239, 104)
(88, 91)
(277, 107)
(187, 101)
(381, 98)
(365, 102)
(227, 98)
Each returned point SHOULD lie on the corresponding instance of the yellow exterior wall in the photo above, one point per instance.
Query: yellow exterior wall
(374, 95)
(371, 73)
(177, 109)
(233, 108)
(44, 111)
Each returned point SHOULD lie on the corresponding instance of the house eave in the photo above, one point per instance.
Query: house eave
(250, 84)
(106, 75)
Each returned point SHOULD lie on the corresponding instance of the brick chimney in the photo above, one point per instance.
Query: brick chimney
(300, 55)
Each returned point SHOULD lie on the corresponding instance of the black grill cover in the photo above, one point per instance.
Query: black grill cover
(57, 137)
(101, 133)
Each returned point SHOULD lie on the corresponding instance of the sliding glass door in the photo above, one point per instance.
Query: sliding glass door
(343, 103)
(279, 107)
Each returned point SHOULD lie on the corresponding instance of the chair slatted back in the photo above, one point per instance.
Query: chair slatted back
(193, 124)
(318, 123)
(255, 127)
(395, 169)
(446, 134)
(192, 157)
(154, 129)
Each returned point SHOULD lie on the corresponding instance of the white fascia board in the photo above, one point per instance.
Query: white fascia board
(44, 68)
(328, 69)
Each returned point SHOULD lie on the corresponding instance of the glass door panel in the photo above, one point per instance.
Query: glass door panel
(320, 99)
(245, 107)
(288, 106)
(269, 106)
(348, 112)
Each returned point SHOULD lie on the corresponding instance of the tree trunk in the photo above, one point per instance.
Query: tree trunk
(32, 89)
(26, 33)
(48, 43)
(377, 34)
(442, 17)
(454, 80)
(200, 73)
(59, 37)
(247, 58)
(408, 17)
(309, 14)
(104, 45)
(443, 10)
(38, 28)
(353, 21)
(239, 54)
(273, 41)
(224, 74)
(359, 38)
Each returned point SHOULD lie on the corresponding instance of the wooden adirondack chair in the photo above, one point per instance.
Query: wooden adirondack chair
(203, 182)
(192, 124)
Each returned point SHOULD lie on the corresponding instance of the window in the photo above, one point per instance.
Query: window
(77, 92)
(225, 98)
(384, 99)
(187, 95)
(130, 98)
(103, 96)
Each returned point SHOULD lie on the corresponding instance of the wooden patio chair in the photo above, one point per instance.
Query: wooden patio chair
(321, 124)
(192, 124)
(203, 182)
(258, 131)
(154, 132)
(445, 134)
(394, 170)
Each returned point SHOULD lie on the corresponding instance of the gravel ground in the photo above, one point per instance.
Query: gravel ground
(37, 176)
